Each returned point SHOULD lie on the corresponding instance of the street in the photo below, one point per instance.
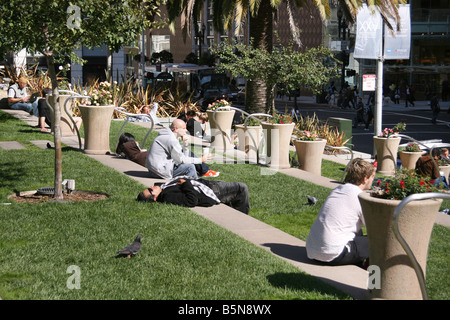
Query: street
(417, 119)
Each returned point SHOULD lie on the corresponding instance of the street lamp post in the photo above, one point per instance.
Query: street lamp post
(200, 33)
(343, 31)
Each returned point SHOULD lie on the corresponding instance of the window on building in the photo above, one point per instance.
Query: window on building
(160, 43)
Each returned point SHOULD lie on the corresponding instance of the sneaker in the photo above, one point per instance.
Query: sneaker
(211, 174)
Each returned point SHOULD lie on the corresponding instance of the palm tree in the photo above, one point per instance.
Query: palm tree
(260, 13)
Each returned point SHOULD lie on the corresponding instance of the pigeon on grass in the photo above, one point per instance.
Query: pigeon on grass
(312, 200)
(131, 249)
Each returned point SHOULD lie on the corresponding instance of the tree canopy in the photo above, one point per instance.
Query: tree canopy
(283, 65)
(55, 28)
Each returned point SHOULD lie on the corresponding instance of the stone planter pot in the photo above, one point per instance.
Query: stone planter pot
(67, 126)
(278, 138)
(309, 154)
(398, 279)
(96, 122)
(446, 170)
(409, 159)
(221, 129)
(249, 139)
(386, 154)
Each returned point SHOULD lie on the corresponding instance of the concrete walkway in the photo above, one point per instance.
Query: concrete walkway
(350, 279)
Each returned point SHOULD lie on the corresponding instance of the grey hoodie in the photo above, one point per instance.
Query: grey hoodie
(166, 151)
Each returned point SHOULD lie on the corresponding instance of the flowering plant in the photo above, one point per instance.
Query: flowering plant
(217, 104)
(399, 127)
(281, 119)
(250, 122)
(412, 147)
(103, 93)
(404, 183)
(307, 136)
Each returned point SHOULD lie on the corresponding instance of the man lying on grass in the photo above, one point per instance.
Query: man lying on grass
(188, 192)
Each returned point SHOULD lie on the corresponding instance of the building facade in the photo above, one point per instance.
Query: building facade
(428, 68)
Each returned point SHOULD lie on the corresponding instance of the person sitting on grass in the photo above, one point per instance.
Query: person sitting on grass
(167, 158)
(44, 111)
(187, 192)
(426, 168)
(336, 237)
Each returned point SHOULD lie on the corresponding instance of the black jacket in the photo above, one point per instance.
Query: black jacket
(185, 195)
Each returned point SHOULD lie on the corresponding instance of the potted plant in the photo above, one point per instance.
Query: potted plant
(409, 155)
(96, 113)
(220, 123)
(386, 149)
(249, 137)
(309, 148)
(398, 279)
(277, 133)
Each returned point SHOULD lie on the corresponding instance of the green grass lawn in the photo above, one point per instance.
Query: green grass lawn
(184, 256)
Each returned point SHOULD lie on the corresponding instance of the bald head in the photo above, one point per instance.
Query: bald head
(177, 123)
(178, 127)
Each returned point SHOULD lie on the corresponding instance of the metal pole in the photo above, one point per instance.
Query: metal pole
(143, 58)
(379, 92)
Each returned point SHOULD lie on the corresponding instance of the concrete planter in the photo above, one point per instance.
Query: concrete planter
(386, 154)
(445, 170)
(309, 154)
(409, 159)
(249, 139)
(67, 126)
(278, 138)
(398, 279)
(221, 129)
(97, 122)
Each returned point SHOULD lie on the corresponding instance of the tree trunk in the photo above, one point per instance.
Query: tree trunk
(58, 195)
(270, 105)
(261, 35)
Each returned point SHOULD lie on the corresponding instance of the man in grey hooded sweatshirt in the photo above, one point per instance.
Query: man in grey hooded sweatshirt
(166, 158)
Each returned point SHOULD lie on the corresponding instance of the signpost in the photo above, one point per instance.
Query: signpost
(373, 42)
(369, 82)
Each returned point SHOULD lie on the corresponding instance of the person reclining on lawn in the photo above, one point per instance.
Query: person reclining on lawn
(335, 237)
(167, 159)
(187, 192)
(129, 147)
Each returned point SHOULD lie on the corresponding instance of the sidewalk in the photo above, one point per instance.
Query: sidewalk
(350, 279)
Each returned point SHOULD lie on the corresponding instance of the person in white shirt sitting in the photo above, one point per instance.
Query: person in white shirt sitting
(336, 237)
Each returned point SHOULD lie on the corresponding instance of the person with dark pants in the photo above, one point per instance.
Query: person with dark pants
(369, 111)
(434, 103)
(44, 111)
(335, 237)
(187, 192)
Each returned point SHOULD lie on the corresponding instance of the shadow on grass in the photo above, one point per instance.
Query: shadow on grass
(304, 282)
(11, 172)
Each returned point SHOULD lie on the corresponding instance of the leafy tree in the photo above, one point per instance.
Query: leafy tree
(163, 57)
(228, 13)
(295, 69)
(55, 28)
